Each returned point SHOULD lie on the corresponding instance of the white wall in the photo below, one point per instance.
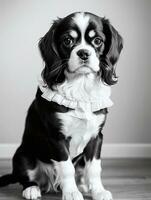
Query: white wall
(22, 23)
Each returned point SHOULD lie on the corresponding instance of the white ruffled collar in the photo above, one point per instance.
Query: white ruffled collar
(83, 93)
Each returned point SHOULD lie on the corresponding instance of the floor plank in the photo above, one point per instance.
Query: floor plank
(127, 179)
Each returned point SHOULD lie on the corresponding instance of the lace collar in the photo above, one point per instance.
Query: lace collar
(82, 93)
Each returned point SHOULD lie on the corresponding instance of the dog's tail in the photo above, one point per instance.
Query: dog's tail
(7, 179)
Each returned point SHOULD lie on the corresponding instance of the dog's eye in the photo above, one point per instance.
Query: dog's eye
(68, 41)
(97, 41)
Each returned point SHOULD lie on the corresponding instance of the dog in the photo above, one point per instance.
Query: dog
(63, 129)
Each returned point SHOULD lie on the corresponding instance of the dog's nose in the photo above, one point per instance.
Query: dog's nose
(83, 54)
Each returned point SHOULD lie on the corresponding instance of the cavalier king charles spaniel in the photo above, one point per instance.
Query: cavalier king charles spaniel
(63, 130)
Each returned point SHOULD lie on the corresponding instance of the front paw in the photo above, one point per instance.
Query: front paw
(76, 195)
(32, 192)
(102, 195)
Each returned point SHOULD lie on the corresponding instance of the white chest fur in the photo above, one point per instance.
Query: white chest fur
(80, 130)
(84, 94)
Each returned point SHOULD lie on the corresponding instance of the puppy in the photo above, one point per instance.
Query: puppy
(64, 123)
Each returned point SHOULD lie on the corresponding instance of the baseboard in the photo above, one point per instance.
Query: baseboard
(108, 150)
(125, 150)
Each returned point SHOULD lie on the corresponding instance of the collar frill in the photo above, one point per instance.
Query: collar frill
(83, 94)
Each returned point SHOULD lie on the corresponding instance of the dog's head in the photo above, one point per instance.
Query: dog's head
(79, 44)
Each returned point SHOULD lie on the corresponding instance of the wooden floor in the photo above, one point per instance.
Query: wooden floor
(127, 179)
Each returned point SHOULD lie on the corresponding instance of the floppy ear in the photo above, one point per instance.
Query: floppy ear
(113, 47)
(50, 55)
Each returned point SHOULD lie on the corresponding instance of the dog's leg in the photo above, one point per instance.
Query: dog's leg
(93, 169)
(21, 164)
(66, 172)
(79, 164)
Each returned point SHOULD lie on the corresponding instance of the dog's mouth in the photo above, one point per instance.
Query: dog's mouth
(83, 68)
